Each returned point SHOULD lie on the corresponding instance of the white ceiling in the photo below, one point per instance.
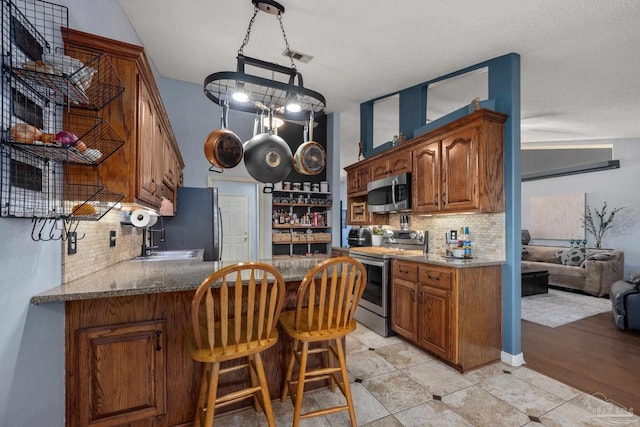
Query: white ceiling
(580, 59)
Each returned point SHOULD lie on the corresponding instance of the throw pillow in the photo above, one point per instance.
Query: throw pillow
(597, 256)
(573, 256)
(634, 277)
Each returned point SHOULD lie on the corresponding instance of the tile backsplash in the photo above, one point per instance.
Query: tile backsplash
(487, 231)
(93, 251)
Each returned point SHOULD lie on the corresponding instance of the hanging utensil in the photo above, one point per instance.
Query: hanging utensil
(267, 157)
(222, 148)
(310, 157)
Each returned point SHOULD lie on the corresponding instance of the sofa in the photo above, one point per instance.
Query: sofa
(589, 270)
(625, 302)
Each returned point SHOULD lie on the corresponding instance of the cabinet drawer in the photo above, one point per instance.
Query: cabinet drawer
(436, 278)
(405, 270)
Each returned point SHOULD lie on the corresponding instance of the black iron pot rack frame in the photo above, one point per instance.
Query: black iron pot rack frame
(265, 94)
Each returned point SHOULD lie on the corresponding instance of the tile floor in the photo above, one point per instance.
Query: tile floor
(396, 384)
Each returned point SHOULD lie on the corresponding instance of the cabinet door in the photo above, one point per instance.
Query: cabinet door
(459, 165)
(358, 213)
(400, 162)
(170, 163)
(404, 319)
(380, 169)
(352, 181)
(434, 320)
(147, 134)
(121, 373)
(426, 178)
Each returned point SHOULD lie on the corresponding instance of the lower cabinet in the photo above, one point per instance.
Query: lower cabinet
(454, 313)
(121, 373)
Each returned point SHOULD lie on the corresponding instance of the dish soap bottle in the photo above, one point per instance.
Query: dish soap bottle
(466, 243)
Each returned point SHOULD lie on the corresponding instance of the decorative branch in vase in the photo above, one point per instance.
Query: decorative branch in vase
(599, 222)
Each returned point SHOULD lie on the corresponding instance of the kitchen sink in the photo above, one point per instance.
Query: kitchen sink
(185, 254)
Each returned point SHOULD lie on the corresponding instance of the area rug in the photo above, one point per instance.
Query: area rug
(558, 308)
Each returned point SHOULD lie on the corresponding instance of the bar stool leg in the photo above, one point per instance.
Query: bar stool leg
(289, 372)
(202, 396)
(330, 364)
(254, 381)
(302, 370)
(264, 390)
(345, 382)
(213, 391)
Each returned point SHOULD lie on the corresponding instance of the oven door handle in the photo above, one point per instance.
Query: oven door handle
(369, 261)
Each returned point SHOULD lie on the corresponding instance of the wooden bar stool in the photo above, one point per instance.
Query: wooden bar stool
(235, 321)
(326, 301)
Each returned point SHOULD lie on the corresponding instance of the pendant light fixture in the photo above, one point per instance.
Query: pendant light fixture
(254, 94)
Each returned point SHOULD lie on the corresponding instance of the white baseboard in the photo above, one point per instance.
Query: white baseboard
(512, 359)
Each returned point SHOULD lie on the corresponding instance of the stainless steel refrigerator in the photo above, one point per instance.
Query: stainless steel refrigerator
(197, 223)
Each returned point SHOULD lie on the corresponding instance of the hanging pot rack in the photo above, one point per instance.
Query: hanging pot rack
(264, 94)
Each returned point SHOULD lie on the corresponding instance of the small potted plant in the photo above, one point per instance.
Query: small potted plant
(599, 222)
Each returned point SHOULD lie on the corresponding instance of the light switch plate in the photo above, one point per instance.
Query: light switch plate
(453, 235)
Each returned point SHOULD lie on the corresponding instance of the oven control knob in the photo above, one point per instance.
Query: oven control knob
(420, 237)
(413, 235)
(388, 234)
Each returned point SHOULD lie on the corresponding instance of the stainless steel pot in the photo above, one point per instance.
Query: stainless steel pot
(310, 157)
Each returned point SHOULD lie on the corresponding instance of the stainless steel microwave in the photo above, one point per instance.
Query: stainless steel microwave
(392, 194)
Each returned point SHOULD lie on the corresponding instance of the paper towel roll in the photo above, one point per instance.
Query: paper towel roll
(143, 218)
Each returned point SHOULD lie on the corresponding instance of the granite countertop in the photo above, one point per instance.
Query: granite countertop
(140, 278)
(437, 259)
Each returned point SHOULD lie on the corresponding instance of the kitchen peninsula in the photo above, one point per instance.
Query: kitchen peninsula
(126, 330)
(127, 327)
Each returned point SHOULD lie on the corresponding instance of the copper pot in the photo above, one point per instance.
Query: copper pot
(223, 148)
(310, 157)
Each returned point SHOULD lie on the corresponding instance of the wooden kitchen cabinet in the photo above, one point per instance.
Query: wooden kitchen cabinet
(357, 179)
(121, 373)
(404, 293)
(459, 167)
(392, 164)
(139, 169)
(454, 313)
(434, 311)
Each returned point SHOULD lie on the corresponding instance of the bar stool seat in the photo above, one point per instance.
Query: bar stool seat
(236, 320)
(327, 298)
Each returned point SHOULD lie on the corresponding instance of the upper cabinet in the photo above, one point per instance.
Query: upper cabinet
(393, 164)
(358, 178)
(148, 167)
(459, 167)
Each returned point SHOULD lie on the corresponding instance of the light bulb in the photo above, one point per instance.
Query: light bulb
(240, 96)
(293, 107)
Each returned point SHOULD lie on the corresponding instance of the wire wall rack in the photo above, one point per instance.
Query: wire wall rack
(49, 153)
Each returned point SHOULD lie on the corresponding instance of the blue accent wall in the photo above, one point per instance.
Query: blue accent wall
(504, 96)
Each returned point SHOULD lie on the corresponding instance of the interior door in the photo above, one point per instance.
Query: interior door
(235, 226)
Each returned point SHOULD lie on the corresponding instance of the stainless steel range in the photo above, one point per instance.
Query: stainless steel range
(374, 309)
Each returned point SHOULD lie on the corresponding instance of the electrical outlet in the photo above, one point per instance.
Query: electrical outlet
(112, 238)
(453, 235)
(72, 242)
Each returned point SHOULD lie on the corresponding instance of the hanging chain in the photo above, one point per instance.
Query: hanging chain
(284, 36)
(246, 37)
(286, 41)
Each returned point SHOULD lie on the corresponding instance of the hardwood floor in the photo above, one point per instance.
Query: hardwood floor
(591, 355)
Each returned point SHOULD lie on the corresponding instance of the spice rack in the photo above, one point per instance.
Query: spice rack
(41, 80)
(300, 222)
